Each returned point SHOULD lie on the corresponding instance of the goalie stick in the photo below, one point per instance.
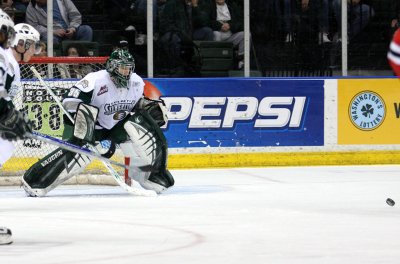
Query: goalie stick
(112, 171)
(80, 150)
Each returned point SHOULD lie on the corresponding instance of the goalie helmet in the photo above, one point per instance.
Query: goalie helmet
(26, 35)
(120, 65)
(7, 28)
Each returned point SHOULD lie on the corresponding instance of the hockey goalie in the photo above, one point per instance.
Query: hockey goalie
(108, 105)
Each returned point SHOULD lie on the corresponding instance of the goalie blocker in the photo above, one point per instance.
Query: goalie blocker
(140, 139)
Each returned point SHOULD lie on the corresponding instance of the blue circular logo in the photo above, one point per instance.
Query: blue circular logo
(367, 110)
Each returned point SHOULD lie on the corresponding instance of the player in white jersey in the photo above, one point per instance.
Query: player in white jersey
(13, 125)
(24, 45)
(108, 105)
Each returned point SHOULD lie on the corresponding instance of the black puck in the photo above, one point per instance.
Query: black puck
(390, 202)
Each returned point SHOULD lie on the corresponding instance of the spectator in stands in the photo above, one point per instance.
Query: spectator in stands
(141, 9)
(358, 16)
(323, 19)
(385, 20)
(76, 50)
(43, 51)
(288, 18)
(227, 24)
(6, 3)
(181, 22)
(265, 20)
(395, 23)
(308, 14)
(21, 5)
(75, 70)
(10, 11)
(129, 14)
(67, 20)
(121, 43)
(120, 14)
(8, 8)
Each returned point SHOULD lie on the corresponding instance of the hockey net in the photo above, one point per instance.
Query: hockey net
(59, 73)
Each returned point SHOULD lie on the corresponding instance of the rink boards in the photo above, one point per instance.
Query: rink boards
(228, 122)
(343, 121)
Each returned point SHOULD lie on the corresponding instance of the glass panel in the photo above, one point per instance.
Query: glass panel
(303, 38)
(288, 37)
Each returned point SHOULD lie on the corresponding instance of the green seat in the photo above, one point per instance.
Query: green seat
(216, 58)
(238, 73)
(57, 50)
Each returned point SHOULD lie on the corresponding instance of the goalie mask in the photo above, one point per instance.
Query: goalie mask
(7, 30)
(120, 65)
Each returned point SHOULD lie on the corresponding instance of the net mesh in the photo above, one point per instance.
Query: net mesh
(59, 73)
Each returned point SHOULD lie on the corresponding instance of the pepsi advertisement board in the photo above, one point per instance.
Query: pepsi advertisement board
(242, 112)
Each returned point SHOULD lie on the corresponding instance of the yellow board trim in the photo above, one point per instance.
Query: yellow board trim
(22, 164)
(283, 159)
(188, 161)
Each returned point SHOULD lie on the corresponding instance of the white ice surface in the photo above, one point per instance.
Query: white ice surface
(227, 216)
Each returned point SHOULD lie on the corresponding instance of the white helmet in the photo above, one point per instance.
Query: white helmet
(26, 35)
(7, 27)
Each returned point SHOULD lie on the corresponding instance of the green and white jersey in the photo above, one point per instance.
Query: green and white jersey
(97, 89)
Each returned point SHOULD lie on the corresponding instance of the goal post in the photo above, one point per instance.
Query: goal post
(60, 74)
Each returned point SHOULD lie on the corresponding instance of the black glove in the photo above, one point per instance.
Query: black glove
(156, 109)
(13, 124)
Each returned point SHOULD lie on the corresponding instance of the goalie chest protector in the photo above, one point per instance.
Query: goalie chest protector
(113, 103)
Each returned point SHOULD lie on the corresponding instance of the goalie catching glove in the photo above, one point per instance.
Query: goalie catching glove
(13, 124)
(155, 108)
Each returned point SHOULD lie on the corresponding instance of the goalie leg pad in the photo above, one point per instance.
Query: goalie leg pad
(54, 169)
(147, 146)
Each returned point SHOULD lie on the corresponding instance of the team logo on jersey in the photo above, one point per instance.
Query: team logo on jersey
(119, 115)
(103, 90)
(83, 84)
(123, 105)
(367, 110)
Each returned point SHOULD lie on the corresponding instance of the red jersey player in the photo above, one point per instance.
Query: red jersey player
(394, 53)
